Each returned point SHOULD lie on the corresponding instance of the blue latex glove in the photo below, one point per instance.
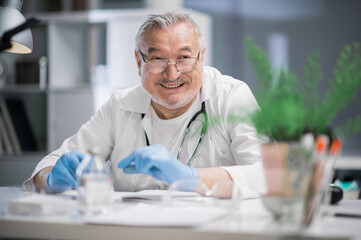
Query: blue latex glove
(63, 175)
(159, 163)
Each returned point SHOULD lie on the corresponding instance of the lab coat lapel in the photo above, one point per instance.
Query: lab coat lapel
(137, 100)
(208, 89)
(147, 124)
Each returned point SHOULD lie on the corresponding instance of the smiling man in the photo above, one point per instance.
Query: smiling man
(173, 84)
(158, 133)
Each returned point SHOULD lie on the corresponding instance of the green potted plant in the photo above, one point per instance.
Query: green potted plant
(292, 105)
(293, 113)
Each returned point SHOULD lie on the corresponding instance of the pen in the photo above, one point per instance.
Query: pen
(312, 200)
(335, 150)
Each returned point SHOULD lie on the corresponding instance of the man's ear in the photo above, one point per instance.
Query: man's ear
(202, 54)
(139, 61)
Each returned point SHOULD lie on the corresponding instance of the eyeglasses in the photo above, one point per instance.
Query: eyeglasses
(183, 65)
(193, 135)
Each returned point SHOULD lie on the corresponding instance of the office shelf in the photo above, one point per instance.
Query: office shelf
(22, 88)
(78, 44)
(24, 156)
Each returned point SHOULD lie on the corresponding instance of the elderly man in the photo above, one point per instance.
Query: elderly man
(142, 130)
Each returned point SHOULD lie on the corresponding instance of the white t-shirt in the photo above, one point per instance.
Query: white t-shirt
(166, 133)
(170, 132)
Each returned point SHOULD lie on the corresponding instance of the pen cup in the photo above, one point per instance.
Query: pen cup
(297, 177)
(288, 170)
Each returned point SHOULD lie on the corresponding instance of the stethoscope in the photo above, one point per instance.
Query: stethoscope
(201, 112)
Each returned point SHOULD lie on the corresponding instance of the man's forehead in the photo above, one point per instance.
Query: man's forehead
(157, 38)
(182, 49)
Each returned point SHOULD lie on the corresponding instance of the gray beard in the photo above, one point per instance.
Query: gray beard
(186, 100)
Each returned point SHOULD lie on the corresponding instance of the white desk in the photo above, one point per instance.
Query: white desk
(252, 222)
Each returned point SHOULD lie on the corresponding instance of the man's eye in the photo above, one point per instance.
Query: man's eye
(157, 61)
(184, 57)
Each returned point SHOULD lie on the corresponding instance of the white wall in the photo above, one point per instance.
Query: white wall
(305, 25)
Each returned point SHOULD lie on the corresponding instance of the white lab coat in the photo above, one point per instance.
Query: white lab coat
(118, 129)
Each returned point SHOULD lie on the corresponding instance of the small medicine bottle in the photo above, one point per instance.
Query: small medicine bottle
(95, 184)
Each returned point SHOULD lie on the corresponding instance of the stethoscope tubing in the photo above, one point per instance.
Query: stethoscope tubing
(204, 130)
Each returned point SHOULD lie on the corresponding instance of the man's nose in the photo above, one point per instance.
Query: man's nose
(172, 71)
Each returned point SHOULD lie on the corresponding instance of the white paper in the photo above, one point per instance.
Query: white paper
(143, 214)
(147, 195)
(349, 208)
(157, 195)
(154, 208)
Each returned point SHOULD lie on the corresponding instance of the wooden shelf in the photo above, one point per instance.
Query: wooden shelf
(22, 88)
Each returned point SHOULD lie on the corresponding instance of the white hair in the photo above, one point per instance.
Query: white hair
(163, 21)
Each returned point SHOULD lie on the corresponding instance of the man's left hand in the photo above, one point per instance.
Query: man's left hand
(159, 163)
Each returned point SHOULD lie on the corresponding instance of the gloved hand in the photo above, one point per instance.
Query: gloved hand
(63, 175)
(159, 163)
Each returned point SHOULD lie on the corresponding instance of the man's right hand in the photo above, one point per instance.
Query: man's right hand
(63, 175)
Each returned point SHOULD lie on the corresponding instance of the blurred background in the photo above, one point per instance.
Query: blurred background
(83, 47)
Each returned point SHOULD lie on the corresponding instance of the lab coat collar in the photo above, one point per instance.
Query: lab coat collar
(137, 100)
(208, 89)
(134, 99)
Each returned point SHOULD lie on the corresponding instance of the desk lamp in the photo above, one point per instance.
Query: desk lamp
(16, 35)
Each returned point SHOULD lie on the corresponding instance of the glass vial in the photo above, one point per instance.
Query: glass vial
(95, 184)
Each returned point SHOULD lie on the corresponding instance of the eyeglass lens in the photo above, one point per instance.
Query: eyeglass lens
(182, 65)
(157, 66)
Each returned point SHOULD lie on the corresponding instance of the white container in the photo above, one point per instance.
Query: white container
(95, 186)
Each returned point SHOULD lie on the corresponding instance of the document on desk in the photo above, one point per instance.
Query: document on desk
(347, 208)
(145, 195)
(142, 214)
(155, 195)
(154, 208)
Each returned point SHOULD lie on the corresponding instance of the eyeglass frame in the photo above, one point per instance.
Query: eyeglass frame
(203, 131)
(167, 60)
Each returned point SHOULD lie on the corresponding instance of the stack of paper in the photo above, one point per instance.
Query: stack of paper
(38, 205)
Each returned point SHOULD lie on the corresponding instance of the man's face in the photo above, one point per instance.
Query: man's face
(171, 89)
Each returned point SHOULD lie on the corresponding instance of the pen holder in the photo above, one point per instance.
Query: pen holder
(298, 177)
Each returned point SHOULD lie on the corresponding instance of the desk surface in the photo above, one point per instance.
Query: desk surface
(251, 222)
